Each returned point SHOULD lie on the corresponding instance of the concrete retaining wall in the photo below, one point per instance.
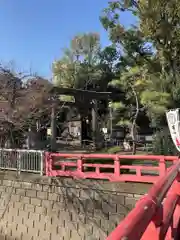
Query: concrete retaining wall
(34, 208)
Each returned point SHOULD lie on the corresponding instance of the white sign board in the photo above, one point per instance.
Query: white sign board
(174, 126)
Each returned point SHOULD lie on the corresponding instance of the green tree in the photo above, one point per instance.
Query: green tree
(85, 65)
(132, 83)
(151, 47)
(78, 66)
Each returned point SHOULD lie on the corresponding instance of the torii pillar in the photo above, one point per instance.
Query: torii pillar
(95, 127)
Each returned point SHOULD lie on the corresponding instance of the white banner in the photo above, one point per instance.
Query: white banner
(174, 126)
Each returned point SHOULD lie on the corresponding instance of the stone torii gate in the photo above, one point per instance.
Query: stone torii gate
(83, 99)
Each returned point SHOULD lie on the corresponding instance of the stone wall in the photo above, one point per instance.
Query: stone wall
(34, 208)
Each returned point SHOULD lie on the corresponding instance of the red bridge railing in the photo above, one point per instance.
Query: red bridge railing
(134, 168)
(157, 215)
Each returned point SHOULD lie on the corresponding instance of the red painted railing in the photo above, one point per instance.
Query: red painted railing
(112, 167)
(157, 215)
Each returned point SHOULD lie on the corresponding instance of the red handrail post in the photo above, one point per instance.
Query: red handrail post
(79, 164)
(48, 164)
(162, 166)
(117, 166)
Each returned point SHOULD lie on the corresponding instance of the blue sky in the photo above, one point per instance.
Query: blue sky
(34, 32)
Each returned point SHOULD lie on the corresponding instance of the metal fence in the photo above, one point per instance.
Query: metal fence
(22, 160)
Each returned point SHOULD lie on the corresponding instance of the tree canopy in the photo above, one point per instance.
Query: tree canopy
(24, 99)
(142, 61)
(149, 52)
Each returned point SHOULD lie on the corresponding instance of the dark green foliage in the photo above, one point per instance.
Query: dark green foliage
(163, 144)
(151, 46)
